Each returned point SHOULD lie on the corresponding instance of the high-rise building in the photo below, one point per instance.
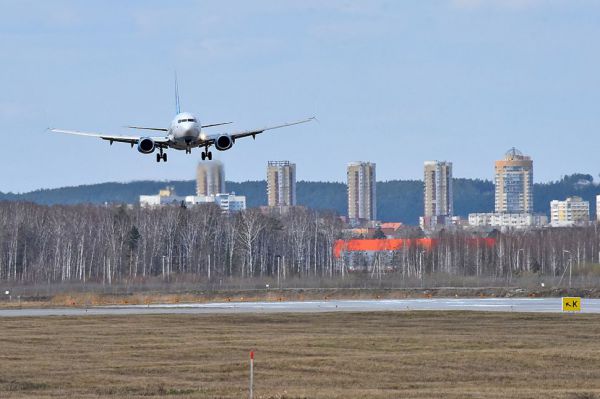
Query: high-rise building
(362, 191)
(598, 208)
(438, 197)
(210, 178)
(570, 212)
(514, 183)
(281, 183)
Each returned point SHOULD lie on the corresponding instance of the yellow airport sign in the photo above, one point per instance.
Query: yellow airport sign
(571, 304)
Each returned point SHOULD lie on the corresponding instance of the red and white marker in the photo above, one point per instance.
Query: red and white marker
(251, 373)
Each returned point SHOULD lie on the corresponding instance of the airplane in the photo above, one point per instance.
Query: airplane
(184, 133)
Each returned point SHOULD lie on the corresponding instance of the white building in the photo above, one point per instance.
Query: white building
(598, 208)
(430, 223)
(507, 220)
(228, 203)
(166, 196)
(570, 212)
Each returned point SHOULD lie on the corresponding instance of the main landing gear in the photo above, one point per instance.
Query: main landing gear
(162, 155)
(207, 155)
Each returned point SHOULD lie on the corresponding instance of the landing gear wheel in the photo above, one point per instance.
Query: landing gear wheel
(161, 156)
(204, 156)
(209, 156)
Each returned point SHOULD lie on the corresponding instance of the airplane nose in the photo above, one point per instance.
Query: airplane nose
(191, 131)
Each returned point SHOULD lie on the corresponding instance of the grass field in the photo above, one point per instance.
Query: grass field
(374, 355)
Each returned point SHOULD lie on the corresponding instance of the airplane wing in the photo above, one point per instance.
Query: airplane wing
(254, 132)
(159, 129)
(216, 124)
(160, 141)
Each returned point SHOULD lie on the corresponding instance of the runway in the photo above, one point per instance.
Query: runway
(542, 305)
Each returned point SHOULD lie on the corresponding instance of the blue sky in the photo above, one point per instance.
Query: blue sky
(392, 82)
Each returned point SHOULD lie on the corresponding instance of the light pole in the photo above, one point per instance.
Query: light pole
(278, 269)
(570, 265)
(421, 266)
(518, 253)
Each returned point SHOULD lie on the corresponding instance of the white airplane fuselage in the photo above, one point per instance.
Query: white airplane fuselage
(185, 131)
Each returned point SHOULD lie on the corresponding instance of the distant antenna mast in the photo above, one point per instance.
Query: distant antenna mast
(177, 106)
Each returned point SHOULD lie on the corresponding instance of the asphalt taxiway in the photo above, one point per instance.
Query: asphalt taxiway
(541, 305)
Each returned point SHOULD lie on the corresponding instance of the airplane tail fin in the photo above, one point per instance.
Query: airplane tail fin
(177, 106)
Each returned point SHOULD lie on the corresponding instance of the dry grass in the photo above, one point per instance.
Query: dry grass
(379, 355)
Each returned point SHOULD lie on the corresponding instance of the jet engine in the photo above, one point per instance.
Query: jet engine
(223, 142)
(146, 145)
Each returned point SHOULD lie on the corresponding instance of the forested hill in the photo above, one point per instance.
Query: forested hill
(397, 200)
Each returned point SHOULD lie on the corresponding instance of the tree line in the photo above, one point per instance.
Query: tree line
(115, 244)
(496, 255)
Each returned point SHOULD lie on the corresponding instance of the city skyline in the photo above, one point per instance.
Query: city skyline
(399, 202)
(462, 80)
(194, 176)
(513, 195)
(202, 164)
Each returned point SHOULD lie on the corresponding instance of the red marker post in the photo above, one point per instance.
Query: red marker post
(251, 373)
